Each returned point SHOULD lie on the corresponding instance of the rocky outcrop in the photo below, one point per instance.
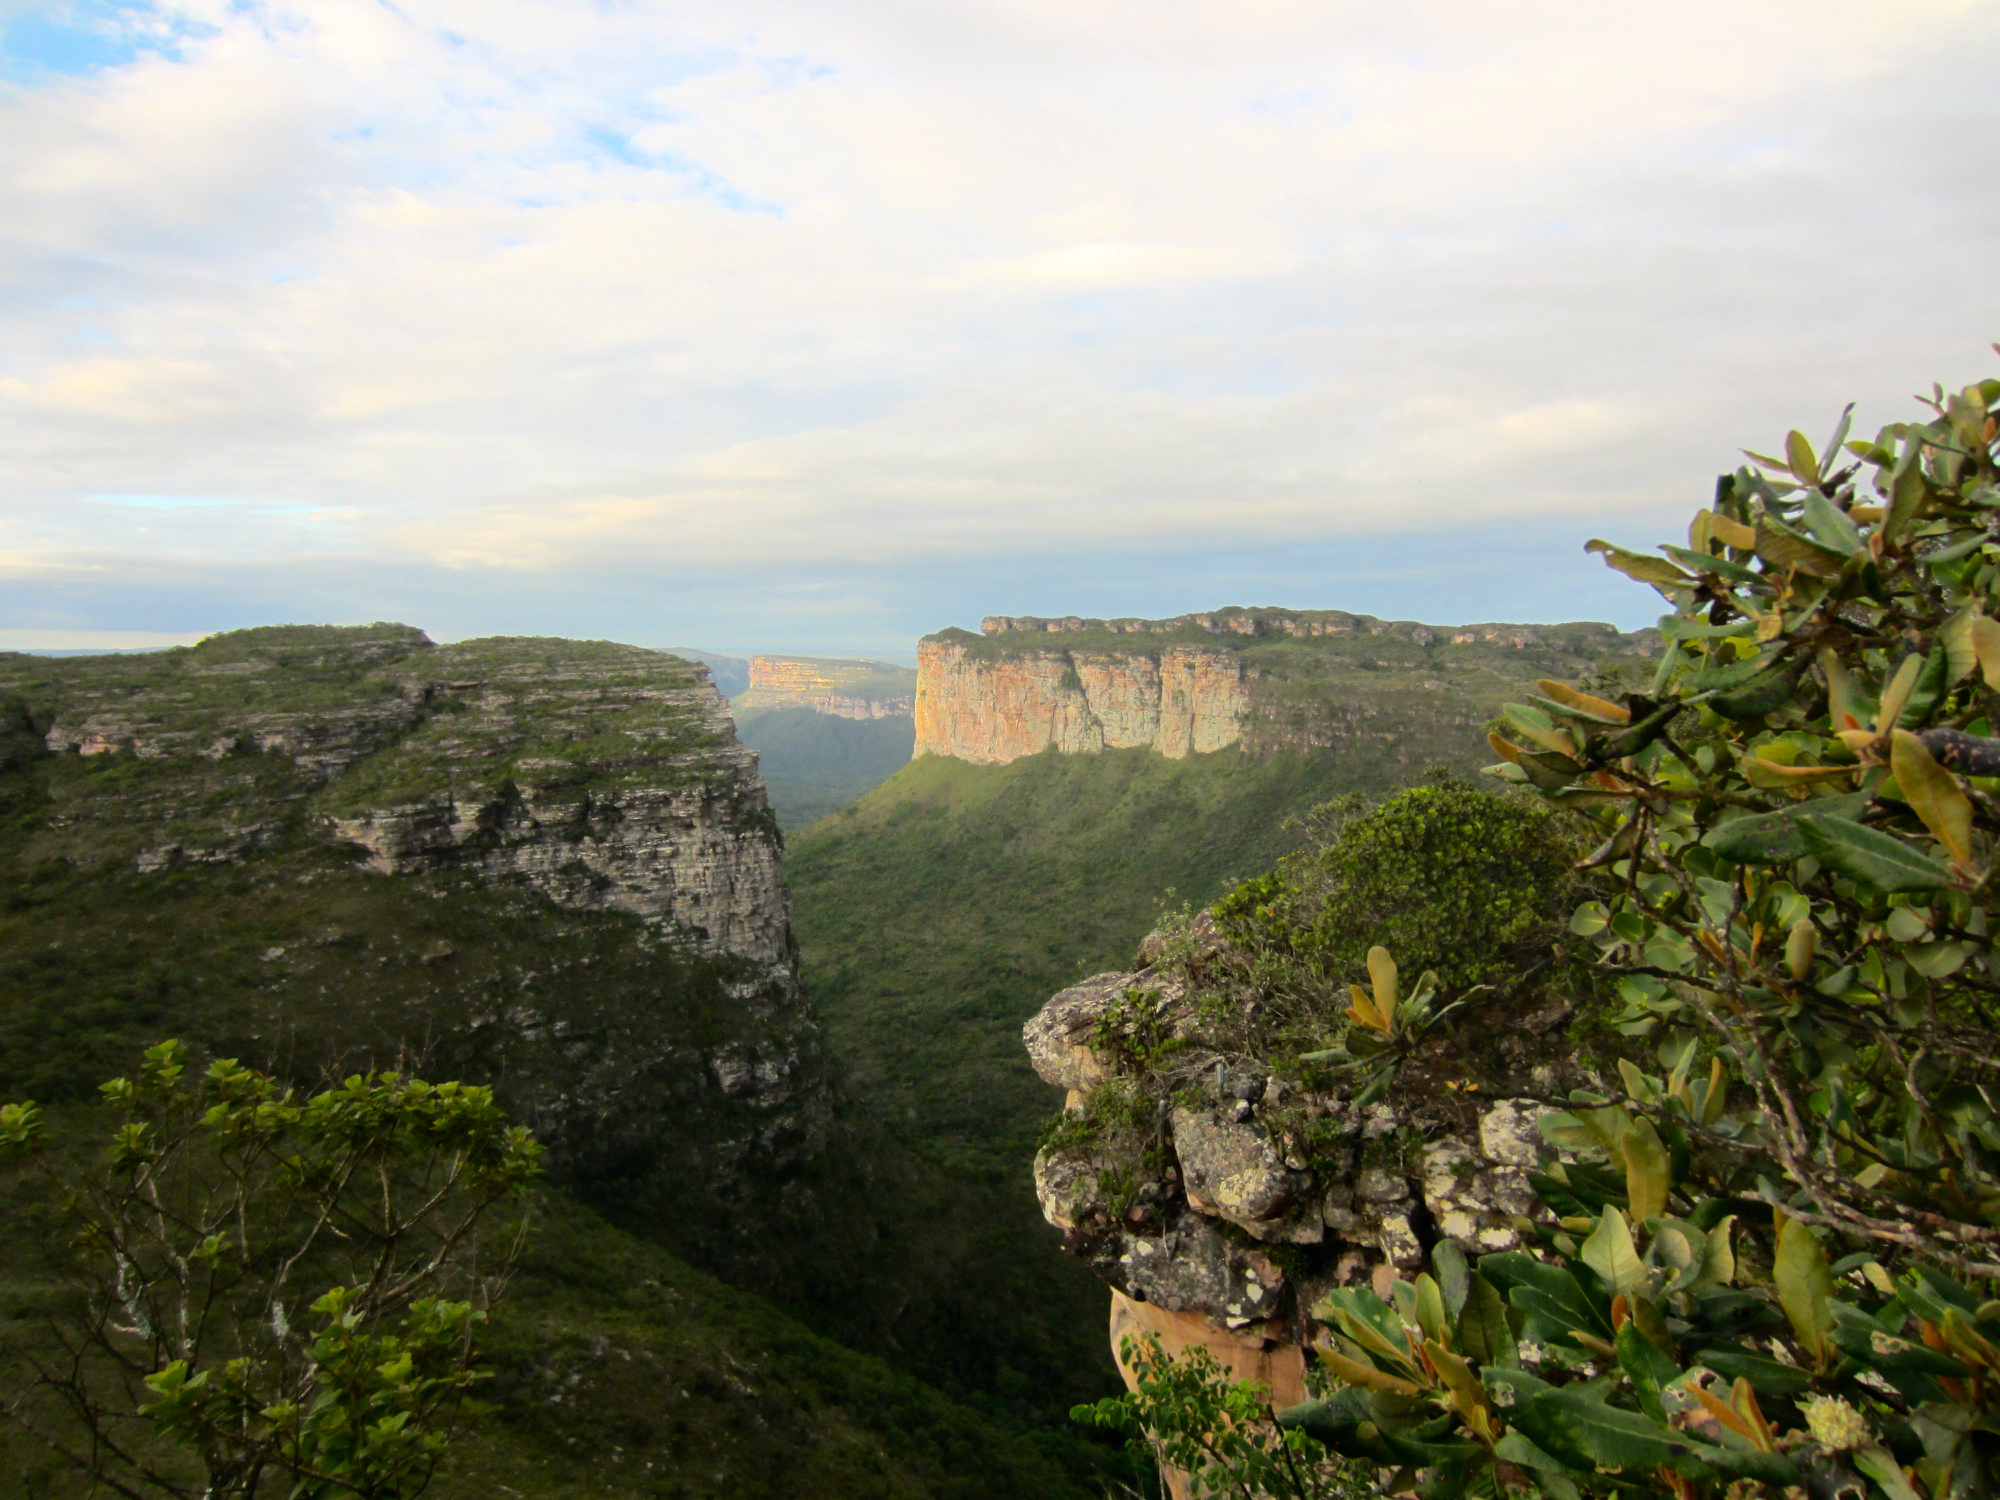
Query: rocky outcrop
(847, 689)
(1178, 701)
(1250, 1195)
(608, 778)
(594, 795)
(1391, 691)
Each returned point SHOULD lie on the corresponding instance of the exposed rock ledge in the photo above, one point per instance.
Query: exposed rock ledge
(1227, 1227)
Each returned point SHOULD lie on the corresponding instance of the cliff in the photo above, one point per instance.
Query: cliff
(1221, 1203)
(545, 864)
(1265, 679)
(845, 688)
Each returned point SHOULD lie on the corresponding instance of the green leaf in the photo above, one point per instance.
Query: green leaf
(1515, 1448)
(1483, 1331)
(1771, 1377)
(1805, 1286)
(1454, 1277)
(1705, 562)
(1648, 1172)
(1550, 1298)
(1872, 857)
(1649, 1370)
(1761, 695)
(1639, 566)
(1879, 1465)
(1830, 525)
(1800, 458)
(1782, 547)
(1611, 1254)
(1775, 838)
(1430, 1309)
(1569, 1424)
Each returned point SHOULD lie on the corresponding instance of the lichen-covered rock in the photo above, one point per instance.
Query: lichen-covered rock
(1230, 1169)
(1241, 1160)
(1057, 1036)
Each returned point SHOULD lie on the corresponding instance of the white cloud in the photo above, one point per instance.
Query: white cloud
(549, 287)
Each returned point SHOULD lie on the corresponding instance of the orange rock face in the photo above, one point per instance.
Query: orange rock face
(1180, 701)
(847, 689)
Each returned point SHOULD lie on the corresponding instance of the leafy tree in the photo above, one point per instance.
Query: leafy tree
(1446, 875)
(1797, 825)
(1221, 1433)
(255, 1280)
(1768, 1267)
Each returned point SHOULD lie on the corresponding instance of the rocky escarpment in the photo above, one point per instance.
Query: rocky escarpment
(845, 688)
(1220, 1212)
(991, 710)
(547, 864)
(1264, 679)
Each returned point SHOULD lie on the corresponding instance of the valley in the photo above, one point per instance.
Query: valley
(787, 1114)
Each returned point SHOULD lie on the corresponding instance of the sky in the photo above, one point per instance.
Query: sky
(815, 325)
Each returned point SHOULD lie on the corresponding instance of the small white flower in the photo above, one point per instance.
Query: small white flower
(1531, 1353)
(1502, 1395)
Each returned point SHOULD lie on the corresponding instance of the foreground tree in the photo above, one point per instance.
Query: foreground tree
(257, 1287)
(1770, 1259)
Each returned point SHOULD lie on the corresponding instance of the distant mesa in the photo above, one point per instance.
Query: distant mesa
(1295, 623)
(1264, 679)
(845, 687)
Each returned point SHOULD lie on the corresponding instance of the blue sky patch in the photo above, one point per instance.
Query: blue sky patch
(83, 37)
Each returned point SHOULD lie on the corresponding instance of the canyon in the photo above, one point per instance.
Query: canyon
(844, 687)
(593, 791)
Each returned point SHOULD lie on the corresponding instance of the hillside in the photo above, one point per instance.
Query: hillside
(813, 761)
(546, 865)
(938, 912)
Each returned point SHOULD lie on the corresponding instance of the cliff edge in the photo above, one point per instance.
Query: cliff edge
(1264, 679)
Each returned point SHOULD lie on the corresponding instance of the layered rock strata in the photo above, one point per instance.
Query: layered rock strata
(1262, 679)
(847, 689)
(1180, 701)
(485, 778)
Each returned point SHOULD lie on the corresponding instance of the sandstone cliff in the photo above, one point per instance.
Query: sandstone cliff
(554, 866)
(1263, 679)
(847, 689)
(992, 710)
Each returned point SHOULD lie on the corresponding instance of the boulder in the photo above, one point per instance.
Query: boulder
(1230, 1169)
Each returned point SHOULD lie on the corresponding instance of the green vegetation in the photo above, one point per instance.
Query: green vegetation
(939, 912)
(176, 886)
(1765, 1267)
(814, 762)
(615, 1371)
(250, 1282)
(1450, 877)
